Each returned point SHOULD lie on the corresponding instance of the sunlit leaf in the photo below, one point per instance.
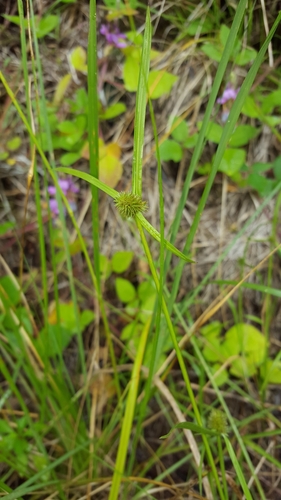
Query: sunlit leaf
(61, 89)
(160, 83)
(78, 58)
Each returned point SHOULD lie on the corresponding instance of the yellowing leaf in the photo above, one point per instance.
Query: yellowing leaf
(131, 71)
(118, 14)
(113, 149)
(61, 89)
(110, 170)
(78, 59)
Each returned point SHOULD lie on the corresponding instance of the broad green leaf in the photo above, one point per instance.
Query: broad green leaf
(242, 135)
(67, 127)
(277, 168)
(233, 160)
(246, 55)
(126, 292)
(224, 34)
(272, 121)
(135, 37)
(212, 330)
(214, 132)
(105, 267)
(86, 317)
(112, 111)
(170, 150)
(202, 26)
(180, 132)
(6, 227)
(212, 51)
(220, 378)
(146, 289)
(243, 367)
(160, 83)
(53, 340)
(69, 158)
(133, 329)
(9, 292)
(245, 338)
(261, 184)
(4, 155)
(46, 25)
(190, 142)
(121, 261)
(147, 308)
(14, 143)
(271, 101)
(251, 108)
(271, 372)
(212, 349)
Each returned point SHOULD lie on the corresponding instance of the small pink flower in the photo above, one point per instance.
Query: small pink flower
(113, 37)
(229, 94)
(68, 188)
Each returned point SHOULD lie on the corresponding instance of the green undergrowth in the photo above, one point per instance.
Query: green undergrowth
(112, 383)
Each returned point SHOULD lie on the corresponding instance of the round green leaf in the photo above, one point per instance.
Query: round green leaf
(14, 143)
(125, 290)
(170, 150)
(160, 83)
(232, 162)
(121, 261)
(180, 132)
(242, 135)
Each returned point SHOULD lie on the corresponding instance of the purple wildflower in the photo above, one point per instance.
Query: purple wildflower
(113, 37)
(229, 94)
(68, 188)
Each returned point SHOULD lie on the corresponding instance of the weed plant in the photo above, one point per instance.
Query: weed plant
(81, 435)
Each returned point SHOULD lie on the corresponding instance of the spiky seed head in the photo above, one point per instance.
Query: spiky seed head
(217, 421)
(129, 204)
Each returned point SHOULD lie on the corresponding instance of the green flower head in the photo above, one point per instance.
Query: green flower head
(129, 205)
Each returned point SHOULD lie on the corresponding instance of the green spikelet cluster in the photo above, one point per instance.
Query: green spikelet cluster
(129, 205)
(217, 422)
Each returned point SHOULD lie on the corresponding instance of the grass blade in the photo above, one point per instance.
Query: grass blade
(141, 100)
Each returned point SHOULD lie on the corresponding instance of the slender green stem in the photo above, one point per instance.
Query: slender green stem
(180, 358)
(94, 131)
(221, 457)
(129, 415)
